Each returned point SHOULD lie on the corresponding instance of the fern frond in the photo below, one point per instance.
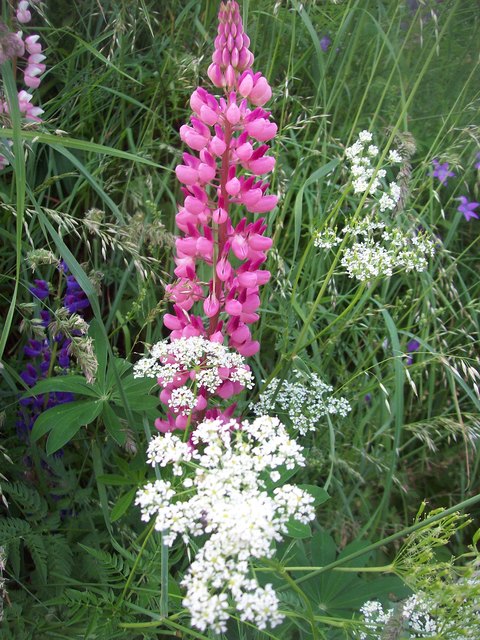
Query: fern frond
(28, 499)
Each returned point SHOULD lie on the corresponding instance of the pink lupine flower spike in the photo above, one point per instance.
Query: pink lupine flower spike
(224, 180)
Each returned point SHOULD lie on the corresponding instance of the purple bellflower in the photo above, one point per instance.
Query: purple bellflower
(412, 346)
(325, 43)
(468, 208)
(441, 170)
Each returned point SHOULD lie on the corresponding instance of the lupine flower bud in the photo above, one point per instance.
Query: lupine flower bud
(231, 55)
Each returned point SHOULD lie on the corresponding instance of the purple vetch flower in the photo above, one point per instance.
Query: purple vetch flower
(468, 208)
(43, 353)
(64, 356)
(33, 348)
(477, 164)
(45, 317)
(41, 289)
(412, 346)
(75, 299)
(325, 43)
(441, 170)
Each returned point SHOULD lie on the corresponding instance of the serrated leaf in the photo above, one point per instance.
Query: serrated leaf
(36, 546)
(13, 554)
(113, 424)
(320, 495)
(122, 504)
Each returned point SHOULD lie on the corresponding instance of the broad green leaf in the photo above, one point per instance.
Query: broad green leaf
(323, 549)
(139, 402)
(113, 424)
(122, 504)
(121, 367)
(298, 529)
(80, 411)
(68, 424)
(319, 494)
(72, 384)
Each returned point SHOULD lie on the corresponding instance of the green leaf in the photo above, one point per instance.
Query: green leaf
(113, 424)
(90, 178)
(320, 495)
(95, 332)
(78, 413)
(72, 384)
(120, 366)
(82, 145)
(298, 529)
(64, 432)
(122, 505)
(114, 480)
(298, 207)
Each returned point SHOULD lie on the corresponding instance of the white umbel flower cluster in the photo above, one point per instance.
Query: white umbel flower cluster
(304, 401)
(366, 177)
(171, 360)
(395, 250)
(372, 246)
(378, 249)
(227, 499)
(189, 366)
(423, 616)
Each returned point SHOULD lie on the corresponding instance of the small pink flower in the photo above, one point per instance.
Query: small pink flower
(23, 14)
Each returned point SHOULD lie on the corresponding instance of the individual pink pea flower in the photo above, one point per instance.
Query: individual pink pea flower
(29, 110)
(22, 13)
(468, 208)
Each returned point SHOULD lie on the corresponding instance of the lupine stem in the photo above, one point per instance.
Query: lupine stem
(222, 228)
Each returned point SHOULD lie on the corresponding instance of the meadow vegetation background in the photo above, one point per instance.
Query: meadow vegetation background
(95, 187)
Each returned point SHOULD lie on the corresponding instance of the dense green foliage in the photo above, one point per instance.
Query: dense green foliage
(97, 188)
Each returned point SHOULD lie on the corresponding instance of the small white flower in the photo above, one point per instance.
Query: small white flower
(365, 136)
(394, 156)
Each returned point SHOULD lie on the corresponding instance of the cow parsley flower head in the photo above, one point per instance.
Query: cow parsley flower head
(366, 177)
(228, 500)
(450, 613)
(190, 370)
(304, 401)
(378, 249)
